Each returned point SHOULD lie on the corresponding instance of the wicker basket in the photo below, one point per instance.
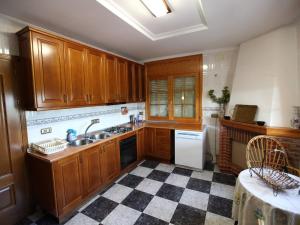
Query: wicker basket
(266, 157)
(50, 146)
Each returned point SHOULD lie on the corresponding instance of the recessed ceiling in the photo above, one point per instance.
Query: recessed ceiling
(229, 22)
(186, 17)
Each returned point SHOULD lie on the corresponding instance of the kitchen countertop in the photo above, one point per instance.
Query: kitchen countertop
(71, 150)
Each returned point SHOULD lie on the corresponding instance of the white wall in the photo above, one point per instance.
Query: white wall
(221, 67)
(8, 38)
(267, 75)
(77, 118)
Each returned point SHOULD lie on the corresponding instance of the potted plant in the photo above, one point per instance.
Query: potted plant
(222, 101)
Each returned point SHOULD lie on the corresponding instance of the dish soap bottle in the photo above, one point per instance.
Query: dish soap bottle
(71, 135)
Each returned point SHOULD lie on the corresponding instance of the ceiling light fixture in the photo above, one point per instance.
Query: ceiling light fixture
(157, 8)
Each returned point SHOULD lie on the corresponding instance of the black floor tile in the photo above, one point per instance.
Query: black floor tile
(145, 219)
(131, 181)
(100, 208)
(209, 166)
(25, 221)
(199, 185)
(150, 164)
(137, 200)
(224, 178)
(186, 215)
(182, 171)
(47, 220)
(170, 192)
(158, 175)
(220, 206)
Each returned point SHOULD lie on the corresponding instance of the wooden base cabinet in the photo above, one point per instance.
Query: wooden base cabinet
(140, 144)
(158, 143)
(60, 187)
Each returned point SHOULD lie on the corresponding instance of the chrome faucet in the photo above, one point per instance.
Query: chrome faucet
(92, 123)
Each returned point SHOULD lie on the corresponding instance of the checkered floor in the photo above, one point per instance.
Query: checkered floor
(158, 194)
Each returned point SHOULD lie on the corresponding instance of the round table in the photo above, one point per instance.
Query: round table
(254, 203)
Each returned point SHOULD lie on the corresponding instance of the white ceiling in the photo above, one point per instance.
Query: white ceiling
(230, 22)
(186, 17)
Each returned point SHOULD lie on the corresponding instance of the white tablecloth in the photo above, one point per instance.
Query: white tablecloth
(254, 203)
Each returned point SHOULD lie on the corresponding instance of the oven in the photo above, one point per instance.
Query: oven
(128, 151)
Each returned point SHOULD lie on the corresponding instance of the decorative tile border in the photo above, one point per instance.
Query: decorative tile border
(36, 122)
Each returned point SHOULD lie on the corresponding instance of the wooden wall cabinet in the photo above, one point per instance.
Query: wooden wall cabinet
(76, 74)
(136, 83)
(60, 73)
(95, 81)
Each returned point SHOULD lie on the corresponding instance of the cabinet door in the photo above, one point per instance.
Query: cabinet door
(137, 82)
(76, 74)
(122, 80)
(14, 195)
(91, 169)
(142, 85)
(162, 142)
(49, 78)
(96, 78)
(131, 84)
(149, 141)
(68, 187)
(110, 162)
(111, 79)
(141, 144)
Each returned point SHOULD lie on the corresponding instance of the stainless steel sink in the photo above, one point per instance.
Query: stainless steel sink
(100, 136)
(80, 142)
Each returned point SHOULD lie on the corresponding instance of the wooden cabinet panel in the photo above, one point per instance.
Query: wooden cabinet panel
(111, 79)
(158, 143)
(141, 144)
(48, 71)
(68, 186)
(91, 169)
(110, 162)
(122, 84)
(76, 74)
(96, 78)
(131, 83)
(149, 136)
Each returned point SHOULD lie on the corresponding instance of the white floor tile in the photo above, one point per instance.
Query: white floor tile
(195, 199)
(122, 215)
(222, 190)
(141, 171)
(177, 180)
(117, 193)
(214, 219)
(149, 186)
(161, 208)
(165, 167)
(81, 219)
(203, 175)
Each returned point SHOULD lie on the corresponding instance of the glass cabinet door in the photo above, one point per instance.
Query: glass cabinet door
(184, 92)
(158, 98)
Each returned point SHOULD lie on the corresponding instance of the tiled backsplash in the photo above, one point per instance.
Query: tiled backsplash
(77, 118)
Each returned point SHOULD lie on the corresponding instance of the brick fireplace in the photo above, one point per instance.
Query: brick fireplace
(231, 131)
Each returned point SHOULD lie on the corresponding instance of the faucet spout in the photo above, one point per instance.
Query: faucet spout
(89, 126)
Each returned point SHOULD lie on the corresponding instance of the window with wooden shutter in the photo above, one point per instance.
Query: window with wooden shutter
(159, 98)
(184, 97)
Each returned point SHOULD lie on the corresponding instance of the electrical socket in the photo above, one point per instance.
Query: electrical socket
(47, 130)
(95, 121)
